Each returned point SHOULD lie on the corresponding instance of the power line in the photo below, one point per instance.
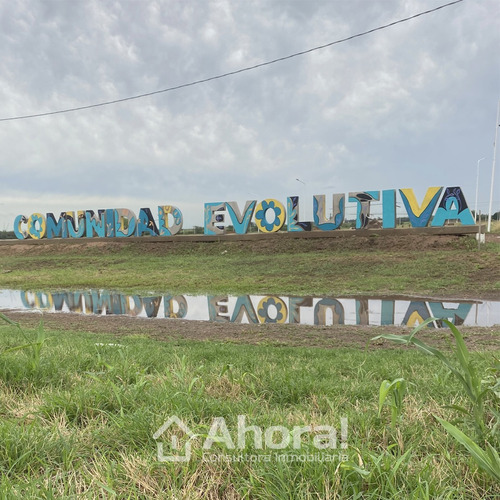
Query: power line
(230, 73)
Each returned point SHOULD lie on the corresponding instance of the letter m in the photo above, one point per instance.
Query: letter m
(56, 229)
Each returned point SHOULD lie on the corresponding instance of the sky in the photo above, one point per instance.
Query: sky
(410, 106)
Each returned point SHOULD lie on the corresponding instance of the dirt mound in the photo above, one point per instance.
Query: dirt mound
(375, 242)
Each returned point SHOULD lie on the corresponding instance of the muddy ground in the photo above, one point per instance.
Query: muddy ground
(274, 243)
(477, 338)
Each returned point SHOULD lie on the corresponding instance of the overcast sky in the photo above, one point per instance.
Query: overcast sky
(413, 105)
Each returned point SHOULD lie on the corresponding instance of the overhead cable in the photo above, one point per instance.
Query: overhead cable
(230, 73)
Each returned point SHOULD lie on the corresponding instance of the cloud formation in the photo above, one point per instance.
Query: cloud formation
(410, 106)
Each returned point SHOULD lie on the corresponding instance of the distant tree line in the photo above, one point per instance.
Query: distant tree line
(7, 235)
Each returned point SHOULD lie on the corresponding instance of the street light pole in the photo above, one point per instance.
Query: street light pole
(477, 189)
(493, 167)
(304, 190)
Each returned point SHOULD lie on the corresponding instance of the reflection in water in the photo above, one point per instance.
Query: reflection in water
(260, 309)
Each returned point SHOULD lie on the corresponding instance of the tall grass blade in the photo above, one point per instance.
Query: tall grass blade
(8, 320)
(488, 461)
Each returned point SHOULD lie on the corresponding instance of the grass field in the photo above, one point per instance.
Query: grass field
(381, 265)
(78, 410)
(79, 424)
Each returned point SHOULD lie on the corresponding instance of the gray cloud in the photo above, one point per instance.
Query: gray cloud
(410, 106)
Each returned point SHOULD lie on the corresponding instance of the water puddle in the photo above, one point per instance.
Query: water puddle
(409, 311)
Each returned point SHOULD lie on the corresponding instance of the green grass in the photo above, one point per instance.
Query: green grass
(79, 423)
(291, 268)
(77, 415)
(495, 226)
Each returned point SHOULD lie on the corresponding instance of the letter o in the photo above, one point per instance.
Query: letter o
(278, 304)
(279, 215)
(35, 232)
(278, 429)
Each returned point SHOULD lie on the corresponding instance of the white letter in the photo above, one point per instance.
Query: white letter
(218, 424)
(242, 430)
(285, 437)
(324, 441)
(343, 433)
(297, 434)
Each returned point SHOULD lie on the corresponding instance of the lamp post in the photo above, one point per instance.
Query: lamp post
(477, 189)
(497, 124)
(304, 190)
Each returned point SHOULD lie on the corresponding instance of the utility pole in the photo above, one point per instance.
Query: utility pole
(493, 167)
(477, 189)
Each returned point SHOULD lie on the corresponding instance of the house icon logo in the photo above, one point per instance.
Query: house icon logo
(176, 426)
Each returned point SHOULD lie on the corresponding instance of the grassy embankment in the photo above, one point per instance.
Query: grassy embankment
(322, 267)
(77, 421)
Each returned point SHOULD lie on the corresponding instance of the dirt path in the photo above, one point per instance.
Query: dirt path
(477, 338)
